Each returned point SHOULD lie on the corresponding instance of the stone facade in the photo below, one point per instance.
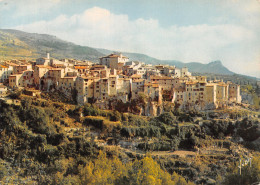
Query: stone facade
(115, 78)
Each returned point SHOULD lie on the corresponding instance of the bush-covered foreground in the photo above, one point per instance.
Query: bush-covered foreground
(34, 148)
(46, 142)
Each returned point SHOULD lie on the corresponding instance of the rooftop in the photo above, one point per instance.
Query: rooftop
(80, 67)
(136, 76)
(113, 56)
(2, 66)
(190, 82)
(43, 66)
(138, 80)
(55, 69)
(161, 77)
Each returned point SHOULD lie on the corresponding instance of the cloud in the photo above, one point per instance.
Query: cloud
(100, 28)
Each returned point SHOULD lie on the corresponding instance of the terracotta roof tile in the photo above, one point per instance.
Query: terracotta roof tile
(80, 67)
(2, 66)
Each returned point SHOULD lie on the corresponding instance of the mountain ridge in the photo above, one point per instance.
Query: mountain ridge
(213, 66)
(36, 45)
(40, 44)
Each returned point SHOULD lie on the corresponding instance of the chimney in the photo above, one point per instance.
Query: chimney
(48, 55)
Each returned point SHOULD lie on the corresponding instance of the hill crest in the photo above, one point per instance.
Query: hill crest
(33, 45)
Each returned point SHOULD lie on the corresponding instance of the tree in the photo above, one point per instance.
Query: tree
(147, 171)
(15, 94)
(167, 118)
(249, 175)
(116, 116)
(103, 171)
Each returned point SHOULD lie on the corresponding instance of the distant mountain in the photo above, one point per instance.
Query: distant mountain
(19, 44)
(212, 67)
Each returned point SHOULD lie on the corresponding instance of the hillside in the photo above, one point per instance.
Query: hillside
(46, 141)
(16, 44)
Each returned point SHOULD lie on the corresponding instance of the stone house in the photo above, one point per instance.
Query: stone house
(113, 61)
(15, 80)
(18, 69)
(234, 93)
(5, 72)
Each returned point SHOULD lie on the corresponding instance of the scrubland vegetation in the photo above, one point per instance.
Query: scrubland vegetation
(47, 142)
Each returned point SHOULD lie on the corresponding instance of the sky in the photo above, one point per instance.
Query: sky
(184, 30)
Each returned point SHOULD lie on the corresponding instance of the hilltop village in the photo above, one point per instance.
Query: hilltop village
(132, 119)
(117, 78)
